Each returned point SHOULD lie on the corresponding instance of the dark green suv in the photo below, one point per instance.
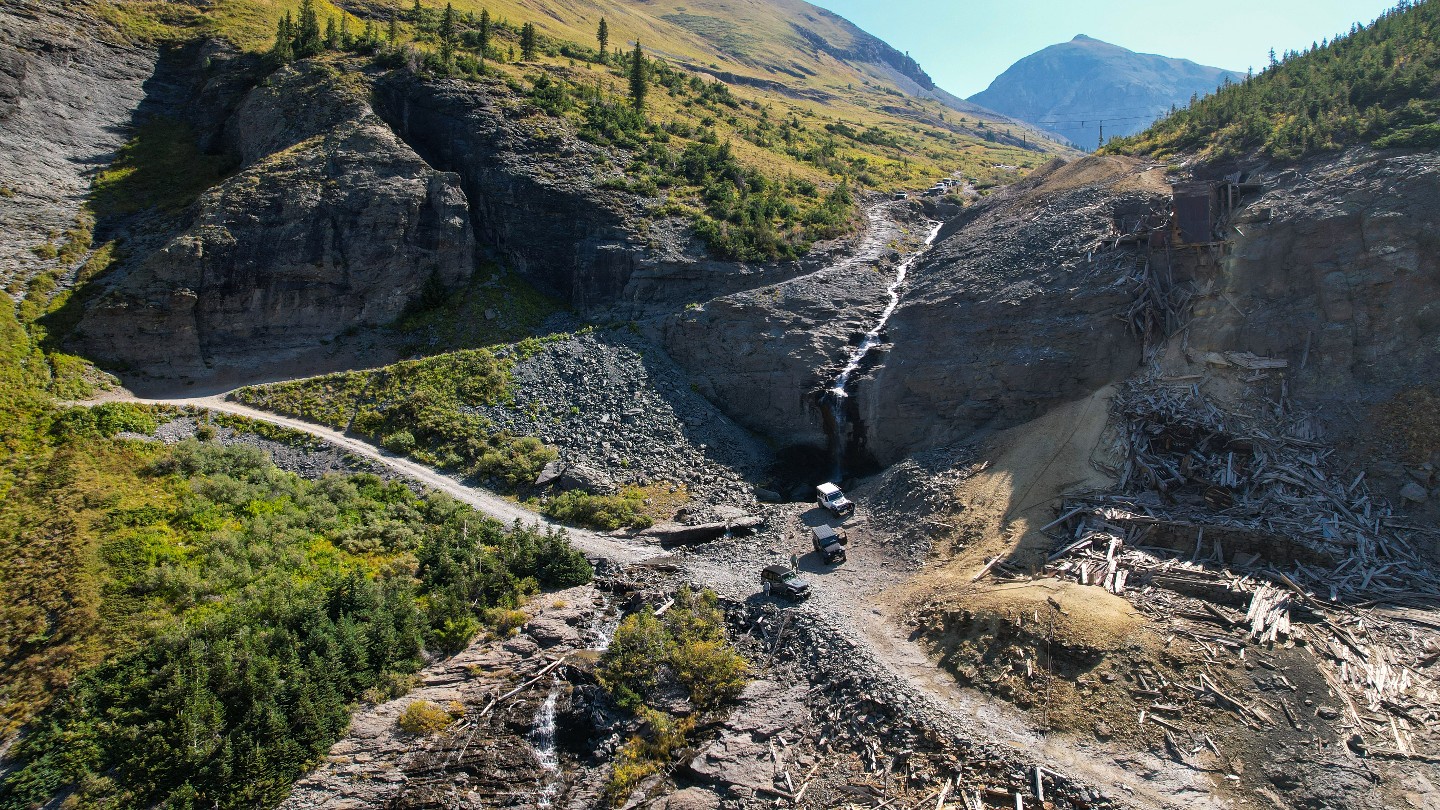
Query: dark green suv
(782, 582)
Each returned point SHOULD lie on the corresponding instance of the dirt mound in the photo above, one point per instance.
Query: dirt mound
(1048, 646)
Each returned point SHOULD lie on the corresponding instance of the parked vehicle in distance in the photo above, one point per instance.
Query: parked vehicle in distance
(829, 544)
(900, 195)
(783, 582)
(830, 497)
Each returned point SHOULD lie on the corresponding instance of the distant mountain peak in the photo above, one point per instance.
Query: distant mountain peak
(1077, 87)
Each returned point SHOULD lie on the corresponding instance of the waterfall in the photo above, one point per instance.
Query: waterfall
(836, 395)
(542, 741)
(602, 631)
(601, 627)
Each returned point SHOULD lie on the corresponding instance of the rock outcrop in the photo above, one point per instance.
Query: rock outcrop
(539, 203)
(533, 196)
(66, 96)
(1336, 268)
(331, 223)
(1008, 315)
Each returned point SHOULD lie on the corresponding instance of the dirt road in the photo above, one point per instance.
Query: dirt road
(502, 509)
(851, 593)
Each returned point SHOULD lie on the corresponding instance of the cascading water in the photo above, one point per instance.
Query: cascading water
(542, 741)
(837, 393)
(598, 632)
(601, 630)
(601, 626)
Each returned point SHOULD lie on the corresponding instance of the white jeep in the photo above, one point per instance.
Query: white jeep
(830, 497)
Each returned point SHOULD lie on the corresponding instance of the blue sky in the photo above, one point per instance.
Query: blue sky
(964, 44)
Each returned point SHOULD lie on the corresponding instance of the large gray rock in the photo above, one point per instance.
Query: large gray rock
(67, 97)
(691, 799)
(332, 223)
(1006, 317)
(740, 755)
(550, 632)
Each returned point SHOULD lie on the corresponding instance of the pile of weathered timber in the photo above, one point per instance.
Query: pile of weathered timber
(1217, 513)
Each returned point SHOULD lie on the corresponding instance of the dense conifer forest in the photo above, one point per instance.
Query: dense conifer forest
(1378, 84)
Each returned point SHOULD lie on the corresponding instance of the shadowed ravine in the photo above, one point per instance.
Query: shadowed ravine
(836, 395)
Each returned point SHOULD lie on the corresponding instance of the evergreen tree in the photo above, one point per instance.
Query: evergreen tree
(332, 35)
(392, 37)
(307, 33)
(345, 39)
(638, 80)
(284, 49)
(417, 11)
(527, 42)
(484, 32)
(447, 38)
(1374, 85)
(602, 34)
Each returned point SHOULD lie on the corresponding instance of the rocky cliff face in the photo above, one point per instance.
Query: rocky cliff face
(1021, 306)
(1008, 315)
(1335, 267)
(533, 195)
(538, 204)
(331, 223)
(65, 97)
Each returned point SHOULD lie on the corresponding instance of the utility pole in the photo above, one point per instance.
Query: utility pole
(1102, 136)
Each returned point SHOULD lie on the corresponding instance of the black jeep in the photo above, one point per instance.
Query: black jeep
(828, 543)
(783, 582)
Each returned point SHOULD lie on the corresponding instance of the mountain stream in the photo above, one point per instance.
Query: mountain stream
(838, 393)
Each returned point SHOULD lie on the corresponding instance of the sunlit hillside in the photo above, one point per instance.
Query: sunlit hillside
(789, 58)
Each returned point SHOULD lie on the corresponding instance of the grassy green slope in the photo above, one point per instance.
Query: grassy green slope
(1379, 85)
(800, 74)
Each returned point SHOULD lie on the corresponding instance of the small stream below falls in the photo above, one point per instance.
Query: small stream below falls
(598, 632)
(838, 393)
(542, 740)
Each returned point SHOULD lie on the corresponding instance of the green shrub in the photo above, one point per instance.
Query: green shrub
(646, 656)
(647, 754)
(121, 417)
(104, 420)
(711, 671)
(506, 622)
(400, 441)
(630, 667)
(421, 408)
(604, 512)
(424, 718)
(688, 646)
